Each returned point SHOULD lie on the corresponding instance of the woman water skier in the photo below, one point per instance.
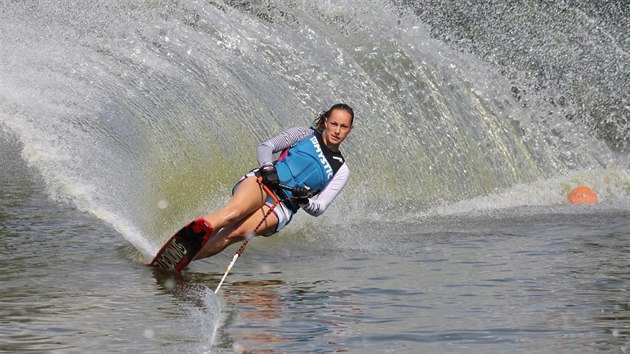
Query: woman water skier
(310, 161)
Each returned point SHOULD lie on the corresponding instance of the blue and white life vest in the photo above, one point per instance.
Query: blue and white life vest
(308, 163)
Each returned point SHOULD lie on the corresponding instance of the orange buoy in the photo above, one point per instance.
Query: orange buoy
(582, 195)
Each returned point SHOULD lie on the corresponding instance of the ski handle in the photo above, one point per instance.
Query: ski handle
(289, 188)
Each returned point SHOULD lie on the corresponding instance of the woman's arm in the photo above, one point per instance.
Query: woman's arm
(317, 205)
(286, 139)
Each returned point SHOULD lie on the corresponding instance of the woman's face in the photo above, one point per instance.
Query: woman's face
(337, 127)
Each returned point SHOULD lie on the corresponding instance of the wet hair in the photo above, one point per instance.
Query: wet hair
(320, 121)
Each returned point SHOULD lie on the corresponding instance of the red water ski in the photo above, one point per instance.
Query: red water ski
(182, 247)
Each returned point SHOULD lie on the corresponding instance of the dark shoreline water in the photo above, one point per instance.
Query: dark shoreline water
(549, 51)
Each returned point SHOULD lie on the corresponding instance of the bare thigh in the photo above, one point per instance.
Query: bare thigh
(260, 222)
(248, 197)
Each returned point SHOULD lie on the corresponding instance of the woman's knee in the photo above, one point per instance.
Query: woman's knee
(232, 234)
(232, 214)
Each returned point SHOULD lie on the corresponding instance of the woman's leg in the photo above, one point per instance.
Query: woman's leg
(248, 197)
(241, 230)
(239, 218)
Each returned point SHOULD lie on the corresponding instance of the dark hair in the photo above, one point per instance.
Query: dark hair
(319, 122)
